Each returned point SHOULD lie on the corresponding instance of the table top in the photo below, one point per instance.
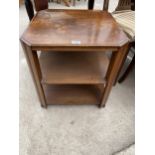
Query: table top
(67, 28)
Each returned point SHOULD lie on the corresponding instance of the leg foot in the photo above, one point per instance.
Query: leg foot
(44, 106)
(101, 106)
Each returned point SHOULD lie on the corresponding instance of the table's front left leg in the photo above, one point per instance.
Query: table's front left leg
(34, 66)
(113, 69)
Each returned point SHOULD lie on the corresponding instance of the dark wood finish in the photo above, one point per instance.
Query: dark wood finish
(29, 9)
(73, 68)
(41, 4)
(123, 61)
(75, 48)
(132, 4)
(90, 4)
(54, 32)
(72, 94)
(106, 5)
(50, 28)
(130, 67)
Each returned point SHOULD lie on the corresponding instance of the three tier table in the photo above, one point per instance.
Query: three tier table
(74, 55)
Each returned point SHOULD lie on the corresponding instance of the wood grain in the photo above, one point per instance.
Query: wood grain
(115, 65)
(32, 60)
(73, 68)
(74, 28)
(71, 94)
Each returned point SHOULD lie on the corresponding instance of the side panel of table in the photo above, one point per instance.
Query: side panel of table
(32, 60)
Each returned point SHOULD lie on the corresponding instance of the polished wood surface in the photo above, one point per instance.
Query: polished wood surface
(74, 28)
(72, 94)
(73, 68)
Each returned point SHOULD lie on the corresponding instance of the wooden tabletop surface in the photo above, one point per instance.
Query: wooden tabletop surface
(68, 28)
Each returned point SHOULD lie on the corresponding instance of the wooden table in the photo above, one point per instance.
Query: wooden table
(73, 66)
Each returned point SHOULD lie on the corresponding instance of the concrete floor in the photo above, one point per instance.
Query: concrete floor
(74, 130)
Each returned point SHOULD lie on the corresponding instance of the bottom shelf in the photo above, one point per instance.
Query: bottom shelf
(72, 94)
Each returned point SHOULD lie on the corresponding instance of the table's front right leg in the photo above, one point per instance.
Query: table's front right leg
(113, 69)
(33, 62)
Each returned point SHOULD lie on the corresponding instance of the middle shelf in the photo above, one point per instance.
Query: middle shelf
(73, 67)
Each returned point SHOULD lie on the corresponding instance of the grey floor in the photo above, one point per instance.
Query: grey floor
(74, 130)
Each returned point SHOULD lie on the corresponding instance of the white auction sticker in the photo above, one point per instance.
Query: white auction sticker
(76, 42)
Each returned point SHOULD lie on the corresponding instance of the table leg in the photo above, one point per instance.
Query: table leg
(130, 67)
(29, 9)
(90, 4)
(115, 64)
(116, 80)
(34, 66)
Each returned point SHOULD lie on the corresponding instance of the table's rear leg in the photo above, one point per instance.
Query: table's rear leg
(116, 80)
(114, 66)
(33, 62)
